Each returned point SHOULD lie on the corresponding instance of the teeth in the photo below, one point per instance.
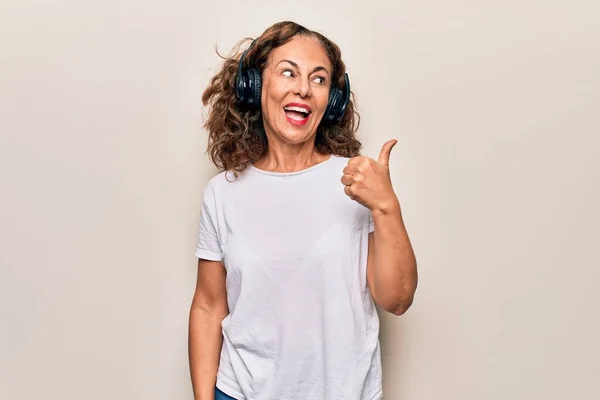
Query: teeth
(296, 118)
(299, 109)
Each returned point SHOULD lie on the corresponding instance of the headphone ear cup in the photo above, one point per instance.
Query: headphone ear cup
(332, 105)
(344, 99)
(239, 87)
(255, 88)
(338, 102)
(248, 87)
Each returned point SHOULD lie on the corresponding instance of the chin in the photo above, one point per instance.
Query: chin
(297, 137)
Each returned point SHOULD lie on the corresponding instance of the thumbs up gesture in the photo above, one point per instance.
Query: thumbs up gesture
(368, 181)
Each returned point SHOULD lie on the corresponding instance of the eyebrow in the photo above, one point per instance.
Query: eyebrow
(315, 69)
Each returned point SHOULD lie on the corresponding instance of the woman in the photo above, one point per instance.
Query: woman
(299, 236)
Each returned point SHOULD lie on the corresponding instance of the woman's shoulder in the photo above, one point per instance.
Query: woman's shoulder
(340, 159)
(224, 181)
(220, 179)
(339, 162)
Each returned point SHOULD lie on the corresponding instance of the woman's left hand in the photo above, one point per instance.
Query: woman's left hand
(368, 181)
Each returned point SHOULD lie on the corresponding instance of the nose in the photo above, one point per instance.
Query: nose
(302, 87)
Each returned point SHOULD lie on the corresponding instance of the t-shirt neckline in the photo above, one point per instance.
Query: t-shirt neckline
(300, 172)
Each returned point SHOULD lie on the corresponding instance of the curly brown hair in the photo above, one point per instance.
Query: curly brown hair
(236, 134)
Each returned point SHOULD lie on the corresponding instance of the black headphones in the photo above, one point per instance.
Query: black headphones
(248, 88)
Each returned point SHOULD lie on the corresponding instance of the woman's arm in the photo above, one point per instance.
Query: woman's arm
(209, 308)
(391, 265)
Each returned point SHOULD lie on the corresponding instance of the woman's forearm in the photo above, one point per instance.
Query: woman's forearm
(204, 343)
(394, 264)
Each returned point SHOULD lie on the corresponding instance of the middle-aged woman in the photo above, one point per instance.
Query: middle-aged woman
(299, 236)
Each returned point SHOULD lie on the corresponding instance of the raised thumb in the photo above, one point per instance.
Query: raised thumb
(384, 155)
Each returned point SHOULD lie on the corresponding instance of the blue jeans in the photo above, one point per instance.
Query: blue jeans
(222, 396)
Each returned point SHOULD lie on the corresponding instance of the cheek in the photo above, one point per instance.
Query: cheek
(323, 100)
(270, 102)
(276, 90)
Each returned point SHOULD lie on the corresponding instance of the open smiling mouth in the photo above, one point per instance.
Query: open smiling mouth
(297, 114)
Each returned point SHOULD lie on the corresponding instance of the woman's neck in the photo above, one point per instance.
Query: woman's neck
(290, 160)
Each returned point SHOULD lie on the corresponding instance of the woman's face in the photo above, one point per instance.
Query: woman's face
(296, 82)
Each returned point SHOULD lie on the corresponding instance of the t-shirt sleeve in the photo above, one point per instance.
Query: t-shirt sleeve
(208, 246)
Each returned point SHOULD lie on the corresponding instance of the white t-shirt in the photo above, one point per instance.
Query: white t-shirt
(302, 322)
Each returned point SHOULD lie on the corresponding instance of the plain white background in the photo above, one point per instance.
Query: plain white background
(102, 166)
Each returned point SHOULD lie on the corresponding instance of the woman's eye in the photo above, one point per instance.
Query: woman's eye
(320, 79)
(288, 72)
